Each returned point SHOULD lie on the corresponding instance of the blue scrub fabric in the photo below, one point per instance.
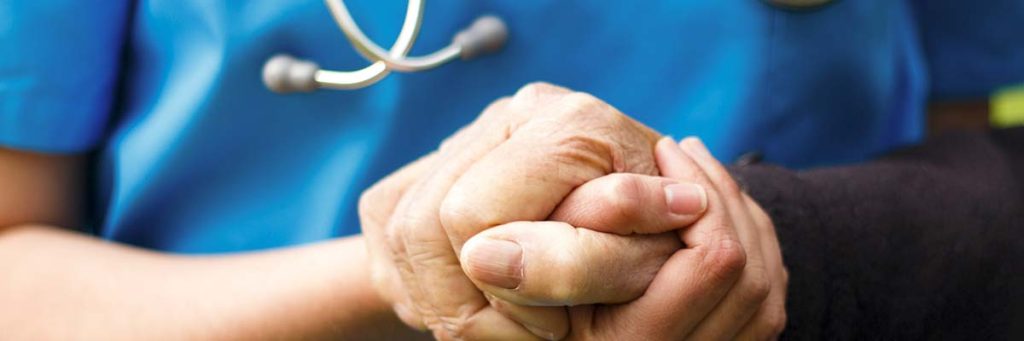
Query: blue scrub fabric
(971, 49)
(194, 155)
(59, 64)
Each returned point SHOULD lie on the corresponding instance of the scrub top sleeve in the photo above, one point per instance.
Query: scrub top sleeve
(59, 62)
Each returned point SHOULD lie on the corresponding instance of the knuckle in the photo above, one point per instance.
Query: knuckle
(726, 262)
(625, 197)
(580, 106)
(581, 100)
(451, 211)
(531, 96)
(366, 200)
(584, 151)
(459, 217)
(449, 143)
(756, 288)
(534, 90)
(393, 237)
(371, 202)
(568, 288)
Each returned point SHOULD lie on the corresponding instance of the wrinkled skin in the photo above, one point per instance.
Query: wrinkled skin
(514, 167)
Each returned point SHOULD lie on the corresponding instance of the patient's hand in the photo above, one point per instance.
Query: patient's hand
(728, 283)
(517, 162)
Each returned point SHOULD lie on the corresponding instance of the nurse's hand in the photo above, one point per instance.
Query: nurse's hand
(728, 283)
(517, 162)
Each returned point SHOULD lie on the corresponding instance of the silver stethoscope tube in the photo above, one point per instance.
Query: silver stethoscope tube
(283, 73)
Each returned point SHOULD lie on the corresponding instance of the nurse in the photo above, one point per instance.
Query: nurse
(144, 124)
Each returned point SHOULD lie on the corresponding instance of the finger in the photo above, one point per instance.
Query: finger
(448, 300)
(714, 170)
(694, 279)
(625, 204)
(504, 115)
(489, 324)
(769, 246)
(769, 322)
(412, 310)
(500, 118)
(404, 219)
(535, 95)
(376, 206)
(572, 141)
(556, 264)
(747, 296)
(545, 322)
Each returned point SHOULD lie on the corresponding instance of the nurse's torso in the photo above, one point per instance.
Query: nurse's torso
(204, 159)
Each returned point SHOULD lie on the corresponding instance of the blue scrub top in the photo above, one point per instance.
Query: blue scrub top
(196, 156)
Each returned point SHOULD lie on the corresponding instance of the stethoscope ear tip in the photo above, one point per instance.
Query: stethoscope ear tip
(486, 34)
(283, 73)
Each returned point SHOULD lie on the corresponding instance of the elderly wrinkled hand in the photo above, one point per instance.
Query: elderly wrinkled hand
(729, 281)
(544, 154)
(517, 162)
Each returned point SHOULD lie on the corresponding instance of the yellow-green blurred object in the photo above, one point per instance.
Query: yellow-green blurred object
(1007, 107)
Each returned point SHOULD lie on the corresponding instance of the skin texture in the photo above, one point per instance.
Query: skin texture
(610, 249)
(516, 165)
(506, 151)
(506, 138)
(728, 283)
(61, 285)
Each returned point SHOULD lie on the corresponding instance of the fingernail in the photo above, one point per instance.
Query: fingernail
(686, 198)
(495, 262)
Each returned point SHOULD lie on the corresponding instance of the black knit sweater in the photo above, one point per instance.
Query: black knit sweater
(926, 243)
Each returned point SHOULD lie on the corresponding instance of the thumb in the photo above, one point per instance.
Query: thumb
(556, 264)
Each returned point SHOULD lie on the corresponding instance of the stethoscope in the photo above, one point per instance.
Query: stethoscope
(284, 74)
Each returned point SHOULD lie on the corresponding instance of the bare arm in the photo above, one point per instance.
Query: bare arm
(56, 284)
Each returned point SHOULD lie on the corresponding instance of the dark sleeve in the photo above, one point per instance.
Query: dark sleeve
(926, 243)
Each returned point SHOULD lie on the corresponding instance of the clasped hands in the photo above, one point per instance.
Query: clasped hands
(555, 216)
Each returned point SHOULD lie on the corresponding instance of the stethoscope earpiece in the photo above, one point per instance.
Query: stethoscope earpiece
(487, 34)
(286, 74)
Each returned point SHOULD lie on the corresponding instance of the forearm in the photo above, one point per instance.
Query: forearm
(60, 285)
(923, 243)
